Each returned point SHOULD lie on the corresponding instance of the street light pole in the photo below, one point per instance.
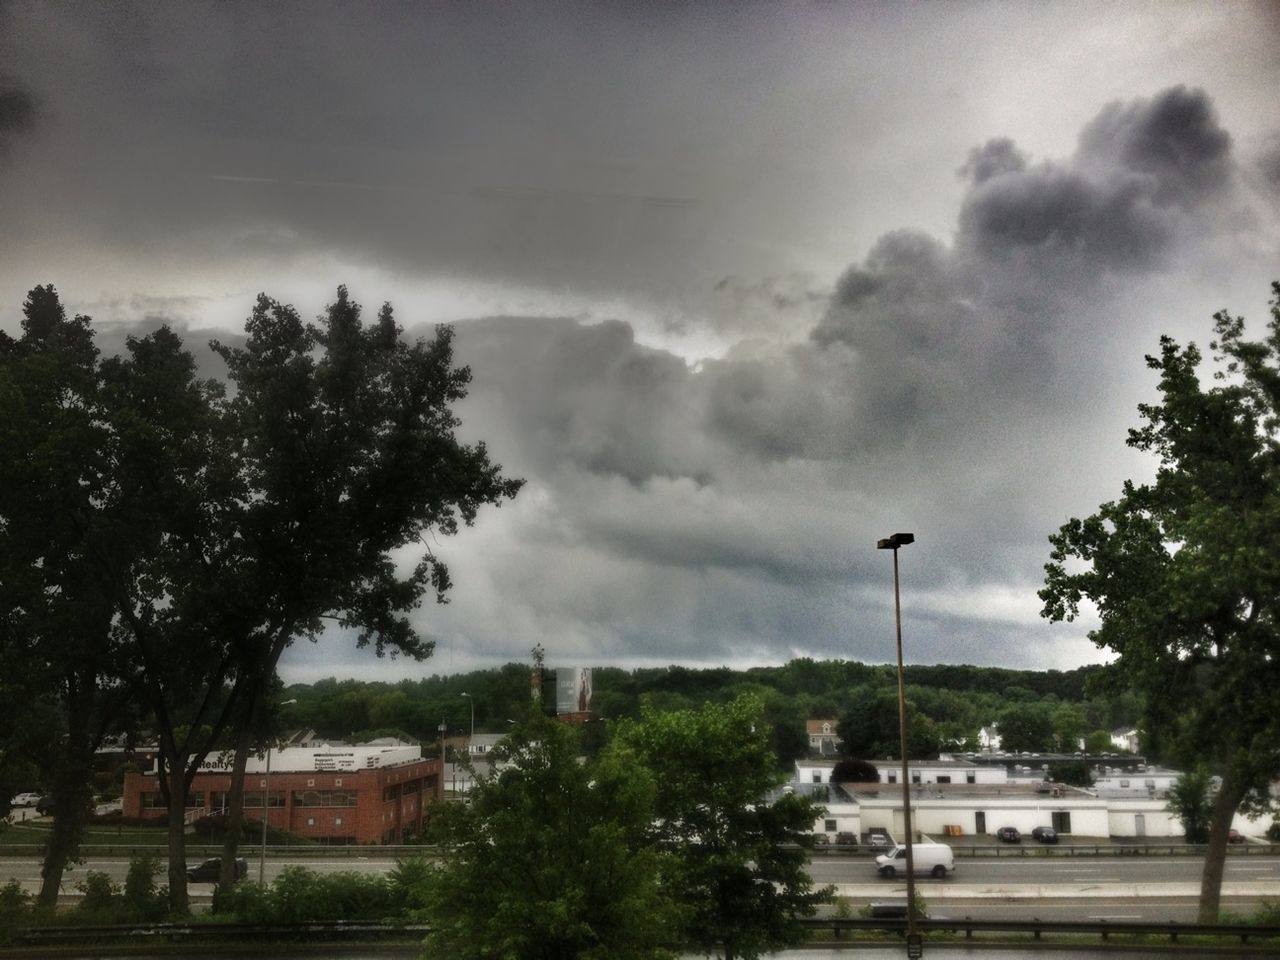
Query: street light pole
(893, 543)
(472, 701)
(440, 779)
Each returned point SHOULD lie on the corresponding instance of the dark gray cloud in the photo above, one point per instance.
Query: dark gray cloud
(569, 397)
(743, 318)
(18, 112)
(946, 387)
(992, 159)
(1174, 138)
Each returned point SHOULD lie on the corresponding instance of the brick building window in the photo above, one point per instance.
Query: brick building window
(153, 801)
(252, 799)
(324, 798)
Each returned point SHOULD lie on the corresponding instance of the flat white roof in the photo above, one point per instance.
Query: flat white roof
(318, 758)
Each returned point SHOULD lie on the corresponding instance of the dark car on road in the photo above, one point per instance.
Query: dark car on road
(208, 871)
(44, 806)
(1008, 835)
(1045, 834)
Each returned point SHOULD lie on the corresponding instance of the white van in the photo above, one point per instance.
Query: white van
(928, 858)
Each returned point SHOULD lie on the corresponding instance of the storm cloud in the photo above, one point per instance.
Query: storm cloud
(743, 287)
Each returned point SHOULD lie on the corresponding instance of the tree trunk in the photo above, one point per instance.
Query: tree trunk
(69, 815)
(179, 906)
(72, 789)
(235, 813)
(1224, 810)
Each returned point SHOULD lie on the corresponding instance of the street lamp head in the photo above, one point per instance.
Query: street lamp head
(896, 541)
(467, 695)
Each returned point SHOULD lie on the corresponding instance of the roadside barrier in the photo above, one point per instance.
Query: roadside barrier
(339, 931)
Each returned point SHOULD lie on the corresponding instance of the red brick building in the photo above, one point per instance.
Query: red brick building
(332, 794)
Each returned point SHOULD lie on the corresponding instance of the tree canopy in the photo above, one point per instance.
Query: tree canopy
(1184, 570)
(739, 857)
(551, 858)
(199, 531)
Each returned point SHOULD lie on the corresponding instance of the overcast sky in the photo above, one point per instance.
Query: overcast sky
(744, 286)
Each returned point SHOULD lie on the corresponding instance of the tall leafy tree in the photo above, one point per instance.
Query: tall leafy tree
(869, 728)
(336, 450)
(739, 857)
(552, 858)
(1185, 573)
(58, 644)
(346, 453)
(1026, 726)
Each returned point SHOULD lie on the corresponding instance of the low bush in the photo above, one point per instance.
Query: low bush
(143, 900)
(16, 908)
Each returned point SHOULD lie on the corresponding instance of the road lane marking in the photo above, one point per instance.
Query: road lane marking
(1117, 916)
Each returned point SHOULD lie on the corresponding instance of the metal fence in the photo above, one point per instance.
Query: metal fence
(838, 927)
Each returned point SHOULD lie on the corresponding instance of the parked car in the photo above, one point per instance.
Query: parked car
(1045, 834)
(844, 837)
(25, 800)
(1235, 836)
(821, 839)
(877, 840)
(1008, 835)
(208, 871)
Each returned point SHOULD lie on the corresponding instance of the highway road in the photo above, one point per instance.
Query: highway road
(1151, 888)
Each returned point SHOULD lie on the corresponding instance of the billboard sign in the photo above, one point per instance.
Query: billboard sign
(573, 689)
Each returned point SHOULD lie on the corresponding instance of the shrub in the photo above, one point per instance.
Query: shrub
(15, 908)
(408, 886)
(248, 903)
(98, 896)
(142, 899)
(1273, 832)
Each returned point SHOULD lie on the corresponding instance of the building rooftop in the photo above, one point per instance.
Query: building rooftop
(959, 791)
(323, 757)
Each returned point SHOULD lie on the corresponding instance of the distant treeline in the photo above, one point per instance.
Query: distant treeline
(949, 704)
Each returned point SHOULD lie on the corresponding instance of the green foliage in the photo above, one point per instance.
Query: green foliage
(1184, 573)
(143, 900)
(98, 895)
(870, 728)
(1099, 741)
(956, 699)
(1190, 800)
(300, 895)
(551, 858)
(854, 771)
(1027, 726)
(1273, 832)
(16, 908)
(738, 860)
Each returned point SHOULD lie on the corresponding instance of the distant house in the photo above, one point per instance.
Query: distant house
(1125, 739)
(989, 738)
(481, 744)
(822, 737)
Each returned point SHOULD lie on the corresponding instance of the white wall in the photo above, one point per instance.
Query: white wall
(932, 816)
(847, 819)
